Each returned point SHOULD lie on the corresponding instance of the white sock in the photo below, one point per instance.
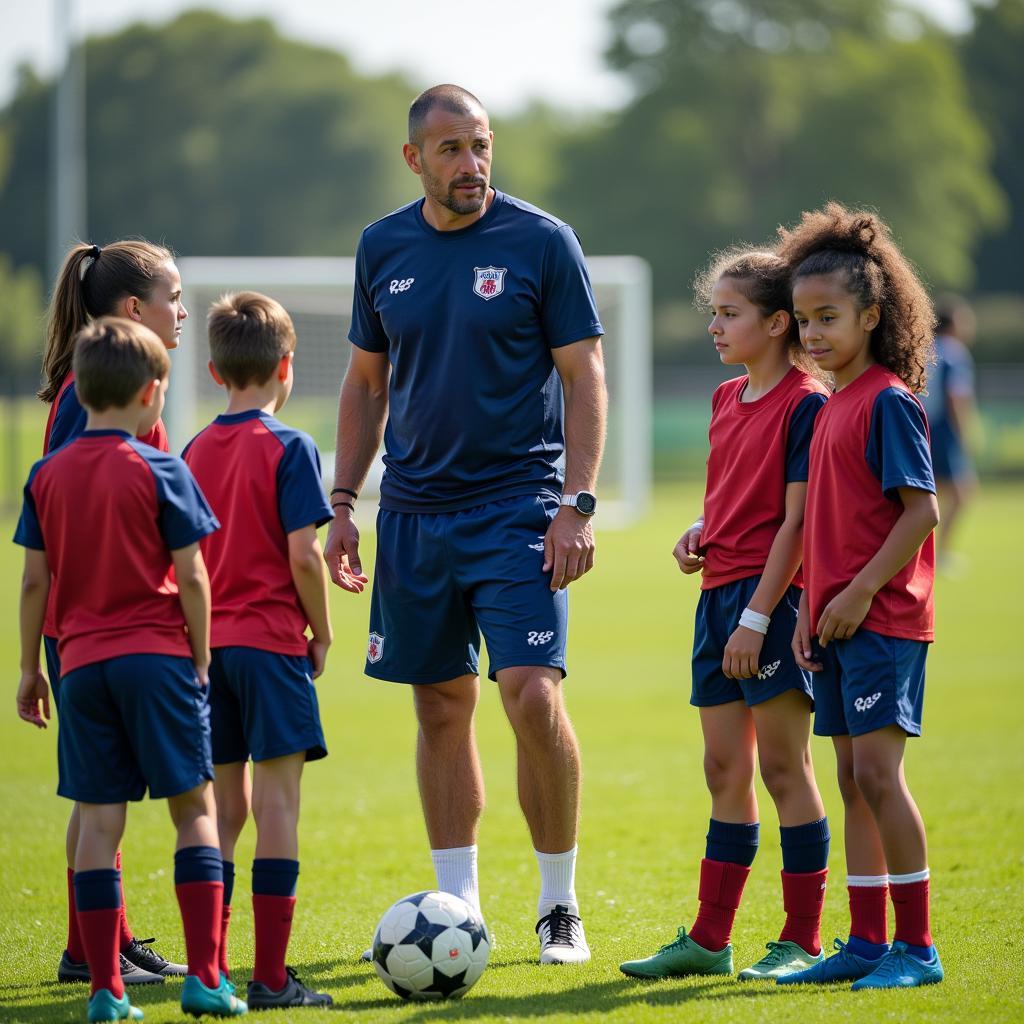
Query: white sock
(557, 881)
(456, 873)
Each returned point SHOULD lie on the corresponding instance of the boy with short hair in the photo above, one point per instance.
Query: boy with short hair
(119, 525)
(269, 582)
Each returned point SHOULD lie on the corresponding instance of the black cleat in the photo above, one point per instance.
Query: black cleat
(294, 993)
(70, 970)
(149, 960)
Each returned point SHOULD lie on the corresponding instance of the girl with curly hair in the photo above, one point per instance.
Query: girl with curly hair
(754, 702)
(866, 615)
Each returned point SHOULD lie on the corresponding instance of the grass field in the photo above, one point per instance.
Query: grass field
(644, 817)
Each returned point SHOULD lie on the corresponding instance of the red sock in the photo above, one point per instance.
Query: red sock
(225, 920)
(868, 909)
(201, 906)
(721, 886)
(99, 933)
(76, 951)
(125, 932)
(910, 901)
(273, 920)
(803, 897)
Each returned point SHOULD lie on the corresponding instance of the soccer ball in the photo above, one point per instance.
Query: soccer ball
(431, 945)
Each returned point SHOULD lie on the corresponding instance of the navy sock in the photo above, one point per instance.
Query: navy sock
(926, 953)
(198, 864)
(805, 847)
(867, 950)
(274, 876)
(97, 890)
(229, 881)
(733, 844)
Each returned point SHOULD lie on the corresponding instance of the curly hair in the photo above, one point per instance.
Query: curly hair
(859, 245)
(763, 278)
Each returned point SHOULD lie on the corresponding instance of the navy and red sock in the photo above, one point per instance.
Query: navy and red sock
(869, 906)
(199, 885)
(910, 900)
(225, 916)
(274, 881)
(98, 909)
(126, 936)
(730, 851)
(804, 870)
(76, 951)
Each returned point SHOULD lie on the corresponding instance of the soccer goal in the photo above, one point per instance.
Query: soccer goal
(318, 295)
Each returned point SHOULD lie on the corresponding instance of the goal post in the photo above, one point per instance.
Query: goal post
(317, 292)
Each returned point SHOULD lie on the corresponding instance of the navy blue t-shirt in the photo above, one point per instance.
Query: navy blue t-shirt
(468, 319)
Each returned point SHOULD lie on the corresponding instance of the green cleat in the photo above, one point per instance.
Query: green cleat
(900, 969)
(682, 956)
(221, 1001)
(781, 959)
(103, 1006)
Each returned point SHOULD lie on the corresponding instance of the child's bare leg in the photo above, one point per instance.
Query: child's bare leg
(729, 755)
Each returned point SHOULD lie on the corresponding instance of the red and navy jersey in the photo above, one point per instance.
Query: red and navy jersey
(67, 420)
(757, 448)
(870, 439)
(263, 481)
(108, 511)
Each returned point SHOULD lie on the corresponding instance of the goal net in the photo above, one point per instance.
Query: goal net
(318, 295)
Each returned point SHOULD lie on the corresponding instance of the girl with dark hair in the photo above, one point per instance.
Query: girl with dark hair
(138, 281)
(866, 616)
(754, 702)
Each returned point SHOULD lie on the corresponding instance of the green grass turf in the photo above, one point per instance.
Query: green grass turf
(644, 817)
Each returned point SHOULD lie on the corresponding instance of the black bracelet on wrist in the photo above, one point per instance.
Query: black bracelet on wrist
(344, 490)
(347, 504)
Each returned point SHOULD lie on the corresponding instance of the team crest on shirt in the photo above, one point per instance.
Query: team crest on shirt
(489, 282)
(375, 648)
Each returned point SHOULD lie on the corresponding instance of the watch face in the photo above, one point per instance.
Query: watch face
(586, 503)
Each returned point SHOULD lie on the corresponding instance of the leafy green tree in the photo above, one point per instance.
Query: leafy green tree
(21, 322)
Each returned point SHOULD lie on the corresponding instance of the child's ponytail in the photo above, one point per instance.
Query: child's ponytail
(66, 317)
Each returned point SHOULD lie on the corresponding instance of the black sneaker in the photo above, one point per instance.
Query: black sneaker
(294, 993)
(71, 970)
(562, 940)
(150, 960)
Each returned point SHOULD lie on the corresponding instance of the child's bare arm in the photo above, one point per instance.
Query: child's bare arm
(688, 548)
(846, 611)
(741, 654)
(194, 595)
(33, 692)
(309, 574)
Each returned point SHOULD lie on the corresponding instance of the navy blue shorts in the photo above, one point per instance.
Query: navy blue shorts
(868, 682)
(131, 723)
(443, 578)
(718, 615)
(263, 705)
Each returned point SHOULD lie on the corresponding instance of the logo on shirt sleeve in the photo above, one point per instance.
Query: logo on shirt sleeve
(489, 282)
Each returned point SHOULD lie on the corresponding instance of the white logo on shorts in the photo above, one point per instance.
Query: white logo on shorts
(535, 638)
(402, 285)
(769, 670)
(863, 703)
(539, 546)
(375, 648)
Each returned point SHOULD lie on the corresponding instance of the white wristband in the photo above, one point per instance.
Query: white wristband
(755, 620)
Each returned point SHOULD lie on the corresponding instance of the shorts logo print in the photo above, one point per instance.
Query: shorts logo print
(375, 648)
(535, 638)
(864, 703)
(769, 670)
(539, 546)
(401, 286)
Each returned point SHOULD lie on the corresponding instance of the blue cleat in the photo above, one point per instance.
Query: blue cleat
(901, 969)
(841, 966)
(221, 1001)
(103, 1006)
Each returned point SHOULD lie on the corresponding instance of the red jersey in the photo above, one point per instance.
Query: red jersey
(108, 510)
(757, 448)
(870, 439)
(263, 481)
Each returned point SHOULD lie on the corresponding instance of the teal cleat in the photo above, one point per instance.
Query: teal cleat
(781, 959)
(900, 969)
(841, 966)
(221, 1001)
(103, 1006)
(679, 958)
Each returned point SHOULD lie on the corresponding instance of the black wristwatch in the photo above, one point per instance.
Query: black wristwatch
(583, 501)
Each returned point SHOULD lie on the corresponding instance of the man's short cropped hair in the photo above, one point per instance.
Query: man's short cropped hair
(452, 98)
(113, 359)
(249, 334)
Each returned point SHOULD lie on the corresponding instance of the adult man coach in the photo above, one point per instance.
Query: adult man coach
(473, 315)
